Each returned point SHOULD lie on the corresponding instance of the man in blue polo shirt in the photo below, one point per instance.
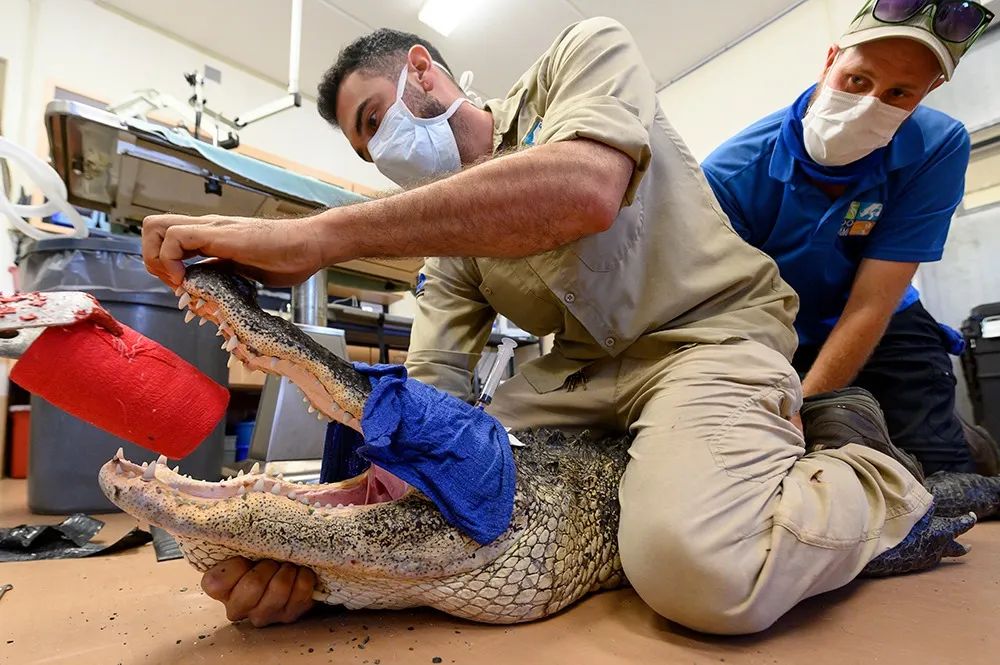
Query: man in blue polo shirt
(849, 190)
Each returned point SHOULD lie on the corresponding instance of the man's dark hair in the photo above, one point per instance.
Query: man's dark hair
(381, 52)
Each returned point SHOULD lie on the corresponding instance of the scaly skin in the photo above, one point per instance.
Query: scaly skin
(931, 539)
(959, 493)
(561, 545)
(394, 549)
(271, 344)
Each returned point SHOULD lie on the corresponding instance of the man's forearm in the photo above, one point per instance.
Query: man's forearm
(846, 350)
(514, 206)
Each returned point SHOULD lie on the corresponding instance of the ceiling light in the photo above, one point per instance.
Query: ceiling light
(443, 16)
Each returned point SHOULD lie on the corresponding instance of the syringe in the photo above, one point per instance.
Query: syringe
(504, 353)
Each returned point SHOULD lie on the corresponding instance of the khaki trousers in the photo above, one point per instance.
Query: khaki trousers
(726, 523)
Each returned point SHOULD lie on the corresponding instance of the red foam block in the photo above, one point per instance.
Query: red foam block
(127, 385)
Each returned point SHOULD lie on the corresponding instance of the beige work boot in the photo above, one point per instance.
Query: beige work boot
(851, 415)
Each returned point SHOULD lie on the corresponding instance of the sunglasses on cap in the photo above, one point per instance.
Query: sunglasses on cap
(954, 21)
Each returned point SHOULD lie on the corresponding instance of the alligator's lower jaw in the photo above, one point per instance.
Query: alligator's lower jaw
(320, 401)
(374, 486)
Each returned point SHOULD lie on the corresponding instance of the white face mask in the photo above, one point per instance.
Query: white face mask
(408, 149)
(840, 127)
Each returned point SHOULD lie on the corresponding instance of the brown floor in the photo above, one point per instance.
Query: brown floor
(127, 608)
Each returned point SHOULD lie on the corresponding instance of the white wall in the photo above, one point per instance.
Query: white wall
(756, 77)
(83, 47)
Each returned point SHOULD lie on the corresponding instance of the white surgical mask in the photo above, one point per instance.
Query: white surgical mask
(841, 128)
(408, 149)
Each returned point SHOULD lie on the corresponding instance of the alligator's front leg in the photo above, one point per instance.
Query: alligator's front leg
(930, 540)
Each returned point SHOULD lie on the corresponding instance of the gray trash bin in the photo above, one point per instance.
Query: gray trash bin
(66, 452)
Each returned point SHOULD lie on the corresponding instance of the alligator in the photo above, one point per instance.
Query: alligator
(376, 542)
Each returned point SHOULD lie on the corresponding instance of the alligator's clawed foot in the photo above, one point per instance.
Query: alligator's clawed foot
(332, 388)
(930, 540)
(959, 493)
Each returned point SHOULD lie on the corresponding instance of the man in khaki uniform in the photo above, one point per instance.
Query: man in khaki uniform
(599, 228)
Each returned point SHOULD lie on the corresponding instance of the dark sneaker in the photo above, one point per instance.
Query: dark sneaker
(983, 448)
(851, 415)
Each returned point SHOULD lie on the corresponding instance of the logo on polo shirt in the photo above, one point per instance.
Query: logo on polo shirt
(861, 218)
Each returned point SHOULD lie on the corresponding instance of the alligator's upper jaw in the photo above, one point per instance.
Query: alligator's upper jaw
(203, 297)
(374, 486)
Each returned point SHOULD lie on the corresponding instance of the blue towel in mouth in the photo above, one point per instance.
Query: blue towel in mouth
(458, 456)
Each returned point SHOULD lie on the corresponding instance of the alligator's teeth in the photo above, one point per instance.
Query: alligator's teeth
(329, 505)
(241, 490)
(305, 399)
(120, 453)
(279, 476)
(305, 500)
(340, 505)
(293, 495)
(162, 459)
(229, 363)
(311, 409)
(218, 333)
(229, 478)
(239, 474)
(255, 468)
(179, 291)
(276, 489)
(177, 469)
(118, 470)
(202, 321)
(350, 505)
(199, 303)
(189, 316)
(223, 347)
(144, 465)
(184, 301)
(149, 473)
(232, 343)
(274, 363)
(319, 416)
(259, 485)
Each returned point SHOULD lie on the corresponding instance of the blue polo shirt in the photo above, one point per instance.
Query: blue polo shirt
(900, 214)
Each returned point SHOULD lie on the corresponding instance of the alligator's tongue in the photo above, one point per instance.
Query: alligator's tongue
(381, 486)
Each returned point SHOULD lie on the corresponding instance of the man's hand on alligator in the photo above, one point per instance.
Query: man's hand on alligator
(375, 542)
(265, 592)
(278, 252)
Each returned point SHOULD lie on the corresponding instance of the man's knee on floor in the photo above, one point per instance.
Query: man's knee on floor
(684, 579)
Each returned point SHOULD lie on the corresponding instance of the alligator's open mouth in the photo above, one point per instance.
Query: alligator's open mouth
(372, 487)
(319, 398)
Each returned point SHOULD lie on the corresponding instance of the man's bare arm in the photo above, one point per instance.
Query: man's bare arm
(521, 204)
(878, 288)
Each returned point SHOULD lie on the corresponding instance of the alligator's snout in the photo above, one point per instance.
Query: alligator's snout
(271, 344)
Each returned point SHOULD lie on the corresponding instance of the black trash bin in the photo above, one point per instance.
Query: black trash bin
(981, 365)
(66, 453)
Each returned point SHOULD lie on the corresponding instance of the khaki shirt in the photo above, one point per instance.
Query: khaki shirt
(670, 271)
